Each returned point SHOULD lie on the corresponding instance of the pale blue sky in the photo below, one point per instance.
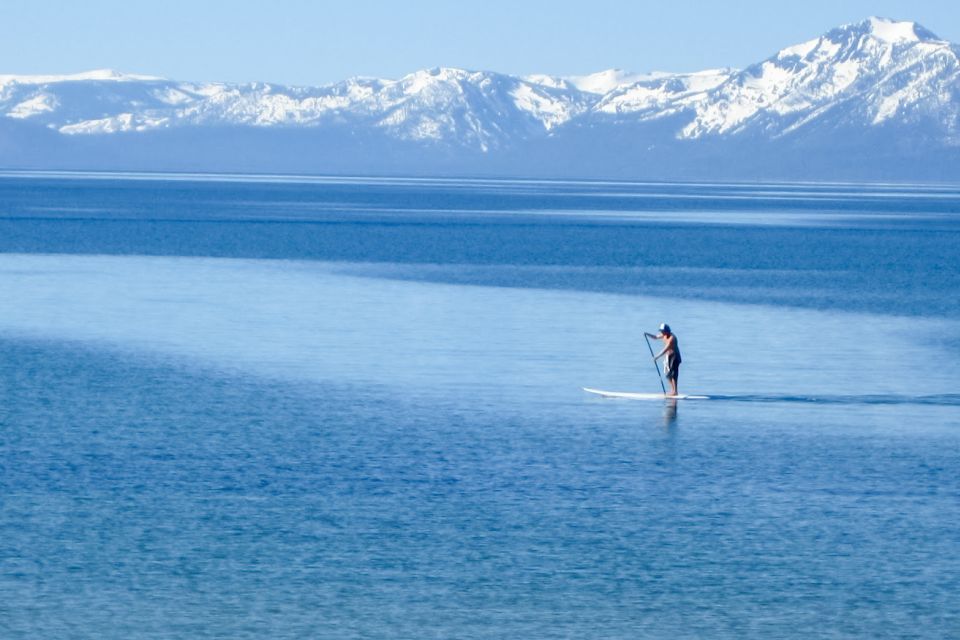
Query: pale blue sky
(303, 42)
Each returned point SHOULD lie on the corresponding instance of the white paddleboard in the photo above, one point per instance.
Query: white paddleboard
(642, 396)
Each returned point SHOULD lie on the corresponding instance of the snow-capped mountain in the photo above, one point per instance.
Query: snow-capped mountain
(852, 87)
(474, 109)
(868, 73)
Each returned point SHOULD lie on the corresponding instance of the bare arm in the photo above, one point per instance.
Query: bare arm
(667, 348)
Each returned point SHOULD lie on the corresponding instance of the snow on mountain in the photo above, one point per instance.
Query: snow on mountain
(604, 82)
(661, 95)
(876, 72)
(894, 32)
(37, 104)
(871, 69)
(479, 109)
(115, 124)
(98, 74)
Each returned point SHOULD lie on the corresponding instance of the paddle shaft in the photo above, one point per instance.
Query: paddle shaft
(652, 355)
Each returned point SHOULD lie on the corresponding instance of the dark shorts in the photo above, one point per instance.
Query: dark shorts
(671, 370)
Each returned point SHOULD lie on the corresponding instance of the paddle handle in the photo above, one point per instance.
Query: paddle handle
(652, 355)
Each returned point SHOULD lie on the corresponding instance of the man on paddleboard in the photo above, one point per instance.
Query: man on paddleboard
(671, 364)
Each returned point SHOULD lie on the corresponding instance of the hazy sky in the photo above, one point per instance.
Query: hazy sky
(302, 42)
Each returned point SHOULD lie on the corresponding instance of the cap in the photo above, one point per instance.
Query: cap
(665, 328)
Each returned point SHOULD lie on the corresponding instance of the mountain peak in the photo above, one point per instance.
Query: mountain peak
(889, 30)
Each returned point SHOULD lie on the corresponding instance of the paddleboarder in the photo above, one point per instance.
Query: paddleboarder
(671, 363)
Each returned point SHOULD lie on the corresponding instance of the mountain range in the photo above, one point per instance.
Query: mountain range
(875, 100)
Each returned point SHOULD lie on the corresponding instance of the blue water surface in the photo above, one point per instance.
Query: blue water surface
(347, 408)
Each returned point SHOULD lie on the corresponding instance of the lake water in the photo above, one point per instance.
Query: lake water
(268, 407)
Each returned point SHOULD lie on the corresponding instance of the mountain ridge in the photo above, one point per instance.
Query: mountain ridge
(876, 82)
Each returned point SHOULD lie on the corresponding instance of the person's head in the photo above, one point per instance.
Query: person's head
(665, 329)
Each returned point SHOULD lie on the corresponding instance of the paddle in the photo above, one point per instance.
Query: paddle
(652, 355)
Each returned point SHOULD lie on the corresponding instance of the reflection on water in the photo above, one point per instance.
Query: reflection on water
(669, 412)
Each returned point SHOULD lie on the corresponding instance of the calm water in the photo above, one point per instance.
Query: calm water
(352, 409)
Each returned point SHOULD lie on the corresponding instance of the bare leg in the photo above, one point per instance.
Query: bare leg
(673, 386)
